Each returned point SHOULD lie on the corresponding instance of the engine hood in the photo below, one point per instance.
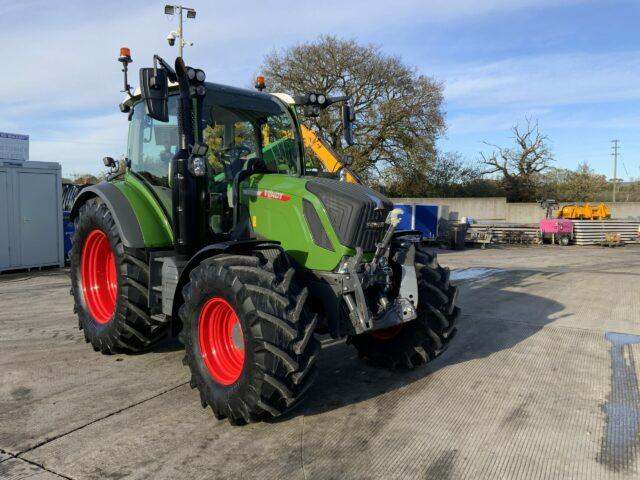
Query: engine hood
(356, 212)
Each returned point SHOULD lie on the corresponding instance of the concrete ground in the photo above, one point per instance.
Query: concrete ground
(540, 382)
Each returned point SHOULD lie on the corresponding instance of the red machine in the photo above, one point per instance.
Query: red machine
(558, 230)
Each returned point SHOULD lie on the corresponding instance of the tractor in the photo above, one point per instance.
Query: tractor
(210, 229)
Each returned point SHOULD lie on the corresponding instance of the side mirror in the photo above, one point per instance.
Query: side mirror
(154, 87)
(348, 116)
(109, 162)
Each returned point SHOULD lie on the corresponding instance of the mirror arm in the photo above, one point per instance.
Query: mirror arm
(171, 73)
(342, 98)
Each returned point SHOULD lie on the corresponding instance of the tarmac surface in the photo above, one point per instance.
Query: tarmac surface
(540, 382)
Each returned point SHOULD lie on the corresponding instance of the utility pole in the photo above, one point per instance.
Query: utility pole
(615, 146)
(181, 44)
(178, 35)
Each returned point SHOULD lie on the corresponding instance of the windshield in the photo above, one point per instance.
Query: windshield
(239, 124)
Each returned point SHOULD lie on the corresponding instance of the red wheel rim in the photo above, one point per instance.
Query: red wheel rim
(221, 341)
(386, 333)
(98, 276)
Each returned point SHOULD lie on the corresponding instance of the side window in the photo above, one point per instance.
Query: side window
(280, 150)
(153, 144)
(230, 144)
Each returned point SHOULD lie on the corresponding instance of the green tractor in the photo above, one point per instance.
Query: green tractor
(213, 231)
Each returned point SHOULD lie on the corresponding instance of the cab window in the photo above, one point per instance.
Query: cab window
(244, 127)
(152, 145)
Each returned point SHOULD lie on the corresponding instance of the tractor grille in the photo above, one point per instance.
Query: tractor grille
(357, 213)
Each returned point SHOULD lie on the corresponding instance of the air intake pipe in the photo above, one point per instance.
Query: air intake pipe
(188, 191)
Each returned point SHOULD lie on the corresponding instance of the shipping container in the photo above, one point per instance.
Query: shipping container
(30, 215)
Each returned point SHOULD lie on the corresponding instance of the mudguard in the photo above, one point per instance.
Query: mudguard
(123, 214)
(232, 246)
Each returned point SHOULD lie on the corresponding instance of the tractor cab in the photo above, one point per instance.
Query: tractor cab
(235, 125)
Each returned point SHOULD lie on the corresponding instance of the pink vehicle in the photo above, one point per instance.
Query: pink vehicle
(557, 229)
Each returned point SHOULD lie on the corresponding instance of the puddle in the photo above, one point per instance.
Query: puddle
(473, 273)
(621, 441)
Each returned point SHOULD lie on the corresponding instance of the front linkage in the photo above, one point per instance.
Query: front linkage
(382, 293)
(376, 278)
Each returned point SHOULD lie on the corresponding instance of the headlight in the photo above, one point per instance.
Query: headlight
(191, 73)
(200, 76)
(198, 167)
(312, 98)
(321, 99)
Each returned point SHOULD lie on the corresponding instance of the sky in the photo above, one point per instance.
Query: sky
(572, 65)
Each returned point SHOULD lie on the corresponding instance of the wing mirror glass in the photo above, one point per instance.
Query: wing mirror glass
(154, 87)
(348, 116)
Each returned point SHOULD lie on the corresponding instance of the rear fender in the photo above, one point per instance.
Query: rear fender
(123, 214)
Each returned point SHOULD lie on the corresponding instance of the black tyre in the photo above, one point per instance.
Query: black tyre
(416, 342)
(564, 240)
(248, 335)
(109, 284)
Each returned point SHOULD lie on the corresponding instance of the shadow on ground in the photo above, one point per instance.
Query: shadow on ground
(494, 318)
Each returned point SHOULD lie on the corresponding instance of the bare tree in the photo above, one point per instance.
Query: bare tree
(521, 165)
(398, 111)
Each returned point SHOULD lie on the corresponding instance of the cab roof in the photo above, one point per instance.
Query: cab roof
(225, 90)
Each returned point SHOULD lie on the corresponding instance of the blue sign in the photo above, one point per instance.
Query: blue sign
(14, 146)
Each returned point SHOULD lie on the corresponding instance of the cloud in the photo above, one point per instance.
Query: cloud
(61, 80)
(545, 80)
(481, 122)
(65, 53)
(79, 144)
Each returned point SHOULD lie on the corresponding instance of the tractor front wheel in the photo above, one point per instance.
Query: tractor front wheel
(248, 336)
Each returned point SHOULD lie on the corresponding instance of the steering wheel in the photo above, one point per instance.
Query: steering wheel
(231, 159)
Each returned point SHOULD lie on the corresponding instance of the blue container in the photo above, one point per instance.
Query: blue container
(423, 218)
(406, 221)
(426, 220)
(68, 229)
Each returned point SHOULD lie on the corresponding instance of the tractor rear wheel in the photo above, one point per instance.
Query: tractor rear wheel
(248, 335)
(416, 342)
(109, 284)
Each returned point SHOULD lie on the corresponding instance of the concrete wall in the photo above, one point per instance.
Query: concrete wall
(524, 213)
(625, 210)
(494, 208)
(497, 209)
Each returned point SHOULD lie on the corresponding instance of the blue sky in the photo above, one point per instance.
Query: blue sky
(574, 65)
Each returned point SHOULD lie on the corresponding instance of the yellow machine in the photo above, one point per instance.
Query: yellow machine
(326, 154)
(584, 212)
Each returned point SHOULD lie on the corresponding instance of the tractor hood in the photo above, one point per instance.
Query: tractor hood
(357, 213)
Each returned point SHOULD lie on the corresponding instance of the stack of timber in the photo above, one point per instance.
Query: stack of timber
(510, 233)
(594, 232)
